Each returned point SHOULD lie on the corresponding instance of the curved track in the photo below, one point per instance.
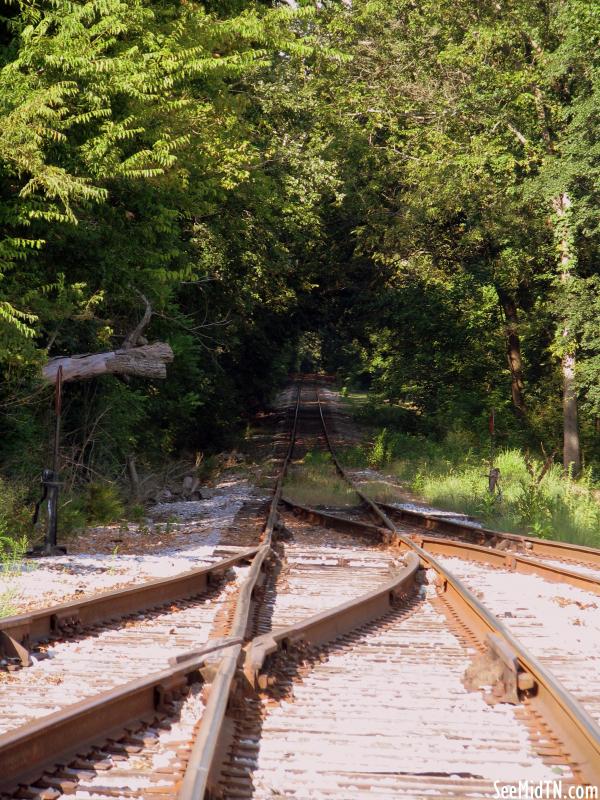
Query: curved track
(308, 722)
(393, 693)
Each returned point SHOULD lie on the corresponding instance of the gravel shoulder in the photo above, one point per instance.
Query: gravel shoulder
(176, 538)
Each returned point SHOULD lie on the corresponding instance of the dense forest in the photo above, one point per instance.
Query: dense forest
(405, 193)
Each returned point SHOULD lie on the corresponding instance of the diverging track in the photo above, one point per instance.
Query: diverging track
(348, 662)
(384, 697)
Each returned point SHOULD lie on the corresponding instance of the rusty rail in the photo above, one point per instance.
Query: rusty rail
(548, 548)
(515, 562)
(20, 632)
(26, 751)
(581, 733)
(29, 749)
(53, 738)
(214, 732)
(330, 624)
(556, 704)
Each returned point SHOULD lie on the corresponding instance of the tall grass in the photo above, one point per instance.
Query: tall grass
(12, 554)
(315, 482)
(15, 518)
(452, 474)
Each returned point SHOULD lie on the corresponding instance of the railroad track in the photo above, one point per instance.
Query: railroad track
(99, 682)
(580, 558)
(290, 712)
(576, 565)
(390, 669)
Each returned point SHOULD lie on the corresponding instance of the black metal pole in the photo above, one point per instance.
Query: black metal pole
(492, 437)
(50, 477)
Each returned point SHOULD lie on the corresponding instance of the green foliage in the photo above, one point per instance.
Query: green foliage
(15, 516)
(450, 477)
(12, 553)
(315, 482)
(102, 503)
(142, 149)
(371, 188)
(469, 122)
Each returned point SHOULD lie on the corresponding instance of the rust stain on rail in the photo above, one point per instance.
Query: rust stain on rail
(21, 632)
(579, 732)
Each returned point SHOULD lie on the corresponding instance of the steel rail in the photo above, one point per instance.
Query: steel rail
(20, 632)
(328, 625)
(581, 733)
(215, 729)
(27, 751)
(515, 562)
(548, 548)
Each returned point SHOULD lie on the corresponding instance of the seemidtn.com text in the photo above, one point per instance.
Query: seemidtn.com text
(545, 790)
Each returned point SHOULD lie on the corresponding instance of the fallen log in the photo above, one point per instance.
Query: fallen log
(147, 361)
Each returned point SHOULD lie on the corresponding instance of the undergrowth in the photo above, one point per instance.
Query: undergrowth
(12, 563)
(452, 474)
(97, 503)
(315, 482)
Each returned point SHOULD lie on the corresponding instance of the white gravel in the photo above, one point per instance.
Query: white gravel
(138, 772)
(377, 718)
(59, 578)
(560, 624)
(453, 516)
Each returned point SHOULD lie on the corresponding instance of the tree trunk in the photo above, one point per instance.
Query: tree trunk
(571, 447)
(513, 350)
(148, 361)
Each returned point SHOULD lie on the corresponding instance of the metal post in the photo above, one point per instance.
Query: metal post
(52, 479)
(50, 482)
(492, 437)
(494, 473)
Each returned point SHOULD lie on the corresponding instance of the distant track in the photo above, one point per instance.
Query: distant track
(444, 545)
(562, 552)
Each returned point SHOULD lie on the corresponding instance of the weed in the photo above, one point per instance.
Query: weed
(112, 570)
(12, 555)
(383, 491)
(7, 606)
(71, 516)
(102, 503)
(314, 481)
(98, 503)
(136, 512)
(450, 477)
(15, 512)
(354, 456)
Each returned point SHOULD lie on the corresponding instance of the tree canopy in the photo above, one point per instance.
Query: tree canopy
(414, 185)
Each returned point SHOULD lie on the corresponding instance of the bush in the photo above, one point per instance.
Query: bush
(448, 476)
(98, 504)
(12, 553)
(102, 503)
(354, 456)
(15, 512)
(374, 413)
